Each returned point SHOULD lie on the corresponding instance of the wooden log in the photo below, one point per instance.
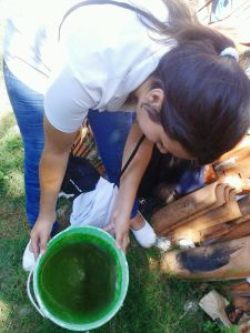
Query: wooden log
(223, 261)
(232, 230)
(214, 233)
(237, 231)
(227, 212)
(213, 226)
(190, 206)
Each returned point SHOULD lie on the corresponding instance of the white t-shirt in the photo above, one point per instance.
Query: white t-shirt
(104, 54)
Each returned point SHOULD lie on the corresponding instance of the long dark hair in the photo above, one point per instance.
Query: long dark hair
(207, 96)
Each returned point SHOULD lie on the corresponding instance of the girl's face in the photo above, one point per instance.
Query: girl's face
(156, 134)
(152, 130)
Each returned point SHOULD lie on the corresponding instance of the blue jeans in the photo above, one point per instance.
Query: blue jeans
(28, 108)
(110, 131)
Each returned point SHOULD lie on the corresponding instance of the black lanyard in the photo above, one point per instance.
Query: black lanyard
(132, 155)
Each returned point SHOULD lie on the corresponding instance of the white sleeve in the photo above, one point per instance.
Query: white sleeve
(66, 103)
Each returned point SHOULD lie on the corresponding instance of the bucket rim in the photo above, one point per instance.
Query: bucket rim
(124, 288)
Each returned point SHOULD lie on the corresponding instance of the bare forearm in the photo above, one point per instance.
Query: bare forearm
(52, 170)
(129, 184)
(131, 178)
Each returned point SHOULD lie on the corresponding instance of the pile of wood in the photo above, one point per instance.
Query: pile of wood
(216, 218)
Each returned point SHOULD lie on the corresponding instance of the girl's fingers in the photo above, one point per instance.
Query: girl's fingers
(35, 245)
(122, 241)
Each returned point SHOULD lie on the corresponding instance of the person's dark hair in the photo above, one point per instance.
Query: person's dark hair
(207, 96)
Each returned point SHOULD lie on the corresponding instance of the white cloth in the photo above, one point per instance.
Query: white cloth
(28, 260)
(104, 54)
(95, 207)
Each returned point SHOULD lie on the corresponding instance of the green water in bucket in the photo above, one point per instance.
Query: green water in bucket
(82, 280)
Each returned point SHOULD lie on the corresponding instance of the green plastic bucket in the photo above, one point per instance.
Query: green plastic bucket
(82, 279)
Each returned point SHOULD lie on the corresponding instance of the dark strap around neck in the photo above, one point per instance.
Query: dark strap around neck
(132, 155)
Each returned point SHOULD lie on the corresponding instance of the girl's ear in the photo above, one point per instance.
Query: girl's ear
(155, 98)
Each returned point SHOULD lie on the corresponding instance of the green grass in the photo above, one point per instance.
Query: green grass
(155, 303)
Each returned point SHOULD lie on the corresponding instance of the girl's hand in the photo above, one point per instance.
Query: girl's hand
(119, 226)
(129, 184)
(40, 234)
(122, 235)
